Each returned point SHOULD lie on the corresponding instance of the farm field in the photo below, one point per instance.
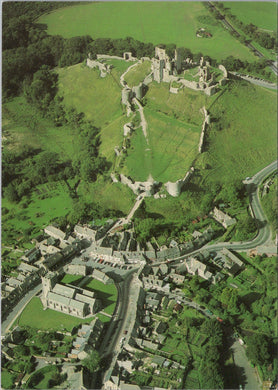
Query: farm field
(175, 22)
(34, 316)
(261, 14)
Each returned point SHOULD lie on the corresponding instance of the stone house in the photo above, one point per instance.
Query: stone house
(223, 218)
(31, 255)
(85, 232)
(178, 279)
(227, 260)
(54, 232)
(160, 328)
(101, 276)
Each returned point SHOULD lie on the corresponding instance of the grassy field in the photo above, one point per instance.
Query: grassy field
(34, 316)
(107, 293)
(247, 141)
(99, 98)
(136, 75)
(261, 14)
(164, 22)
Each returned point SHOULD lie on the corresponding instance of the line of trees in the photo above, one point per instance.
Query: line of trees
(263, 38)
(211, 367)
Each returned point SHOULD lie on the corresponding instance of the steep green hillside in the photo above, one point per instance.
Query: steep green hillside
(163, 22)
(99, 98)
(244, 137)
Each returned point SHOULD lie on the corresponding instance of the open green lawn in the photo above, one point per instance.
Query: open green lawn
(84, 89)
(33, 315)
(247, 141)
(163, 22)
(71, 279)
(136, 75)
(107, 293)
(261, 14)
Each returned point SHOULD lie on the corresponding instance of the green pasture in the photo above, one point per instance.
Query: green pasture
(34, 316)
(22, 124)
(84, 89)
(136, 75)
(261, 14)
(248, 138)
(163, 22)
(107, 293)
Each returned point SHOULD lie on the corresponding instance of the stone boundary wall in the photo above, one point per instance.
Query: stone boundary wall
(174, 188)
(103, 68)
(107, 56)
(204, 128)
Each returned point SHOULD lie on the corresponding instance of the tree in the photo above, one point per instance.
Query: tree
(212, 328)
(229, 298)
(245, 226)
(43, 88)
(144, 229)
(92, 361)
(258, 349)
(10, 193)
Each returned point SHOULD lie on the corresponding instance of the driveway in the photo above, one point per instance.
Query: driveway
(246, 374)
